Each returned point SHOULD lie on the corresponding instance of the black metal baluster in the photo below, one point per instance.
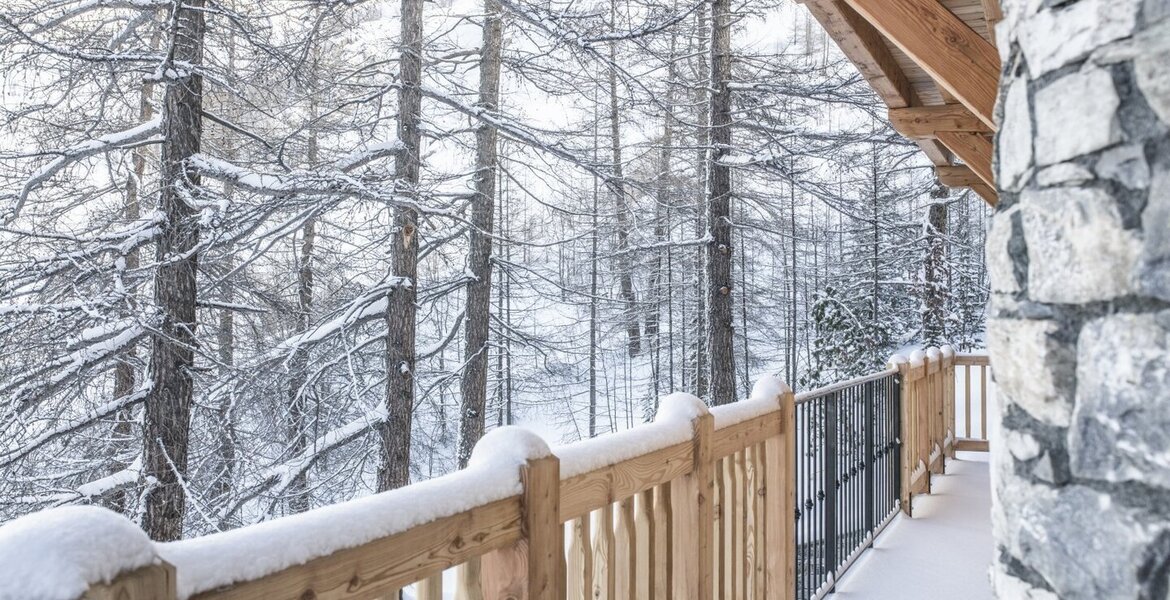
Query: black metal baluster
(830, 479)
(870, 458)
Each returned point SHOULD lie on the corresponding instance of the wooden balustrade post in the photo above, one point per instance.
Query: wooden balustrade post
(534, 568)
(152, 582)
(906, 434)
(935, 416)
(951, 435)
(694, 518)
(780, 503)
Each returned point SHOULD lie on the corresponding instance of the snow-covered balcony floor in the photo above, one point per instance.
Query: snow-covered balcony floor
(945, 551)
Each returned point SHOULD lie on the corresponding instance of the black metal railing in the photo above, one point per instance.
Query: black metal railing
(848, 475)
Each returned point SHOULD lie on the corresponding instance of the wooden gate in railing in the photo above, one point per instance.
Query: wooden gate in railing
(698, 505)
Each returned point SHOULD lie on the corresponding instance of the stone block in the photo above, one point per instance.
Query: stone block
(1121, 422)
(1063, 174)
(1125, 165)
(1000, 268)
(1153, 78)
(1028, 364)
(1084, 544)
(1056, 37)
(1078, 249)
(1153, 271)
(1015, 140)
(1076, 115)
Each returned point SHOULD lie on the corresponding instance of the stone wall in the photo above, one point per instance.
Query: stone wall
(1079, 253)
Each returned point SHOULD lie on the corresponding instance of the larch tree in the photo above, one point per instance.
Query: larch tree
(720, 297)
(166, 427)
(401, 310)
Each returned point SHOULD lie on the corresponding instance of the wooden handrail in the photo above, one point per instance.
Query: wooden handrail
(692, 519)
(704, 510)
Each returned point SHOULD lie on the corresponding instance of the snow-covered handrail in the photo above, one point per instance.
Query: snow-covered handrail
(653, 492)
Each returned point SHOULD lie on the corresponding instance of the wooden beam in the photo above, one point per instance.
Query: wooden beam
(959, 59)
(987, 193)
(958, 176)
(974, 149)
(924, 121)
(867, 49)
(993, 13)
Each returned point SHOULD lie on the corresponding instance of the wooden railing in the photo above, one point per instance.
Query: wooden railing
(929, 416)
(695, 505)
(700, 504)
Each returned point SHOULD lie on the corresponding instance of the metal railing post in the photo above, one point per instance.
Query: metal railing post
(869, 458)
(830, 428)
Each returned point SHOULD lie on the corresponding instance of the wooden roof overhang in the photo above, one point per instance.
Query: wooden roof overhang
(934, 63)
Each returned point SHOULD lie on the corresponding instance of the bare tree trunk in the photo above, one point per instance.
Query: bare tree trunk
(225, 339)
(719, 277)
(479, 290)
(400, 312)
(935, 289)
(621, 204)
(298, 438)
(168, 406)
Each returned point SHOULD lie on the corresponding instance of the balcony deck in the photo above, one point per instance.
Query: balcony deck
(943, 552)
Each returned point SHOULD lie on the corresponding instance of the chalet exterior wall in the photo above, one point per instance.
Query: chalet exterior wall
(1079, 255)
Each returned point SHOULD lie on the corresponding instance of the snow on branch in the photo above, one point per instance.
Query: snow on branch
(82, 150)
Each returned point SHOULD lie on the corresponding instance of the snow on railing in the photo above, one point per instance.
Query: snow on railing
(649, 511)
(698, 504)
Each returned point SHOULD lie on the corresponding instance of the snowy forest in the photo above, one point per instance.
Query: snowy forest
(262, 256)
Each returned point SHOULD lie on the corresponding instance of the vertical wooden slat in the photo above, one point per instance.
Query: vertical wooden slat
(738, 505)
(580, 563)
(983, 401)
(152, 582)
(625, 550)
(719, 530)
(694, 521)
(431, 588)
(604, 584)
(906, 434)
(779, 499)
(725, 531)
(750, 556)
(469, 580)
(967, 400)
(663, 543)
(646, 555)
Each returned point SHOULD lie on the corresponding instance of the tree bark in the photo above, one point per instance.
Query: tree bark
(395, 432)
(298, 439)
(621, 205)
(719, 276)
(935, 289)
(168, 406)
(479, 290)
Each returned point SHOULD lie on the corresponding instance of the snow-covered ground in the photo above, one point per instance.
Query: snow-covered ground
(945, 551)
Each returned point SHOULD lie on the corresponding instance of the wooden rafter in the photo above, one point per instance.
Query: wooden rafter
(957, 57)
(958, 176)
(925, 121)
(987, 193)
(975, 150)
(865, 46)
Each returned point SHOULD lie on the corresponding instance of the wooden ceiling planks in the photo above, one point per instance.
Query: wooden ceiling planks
(942, 51)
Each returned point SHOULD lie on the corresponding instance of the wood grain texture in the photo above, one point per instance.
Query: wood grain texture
(735, 438)
(589, 491)
(580, 560)
(372, 570)
(152, 582)
(926, 121)
(957, 57)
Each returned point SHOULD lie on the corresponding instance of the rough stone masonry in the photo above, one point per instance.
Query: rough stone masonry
(1079, 253)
